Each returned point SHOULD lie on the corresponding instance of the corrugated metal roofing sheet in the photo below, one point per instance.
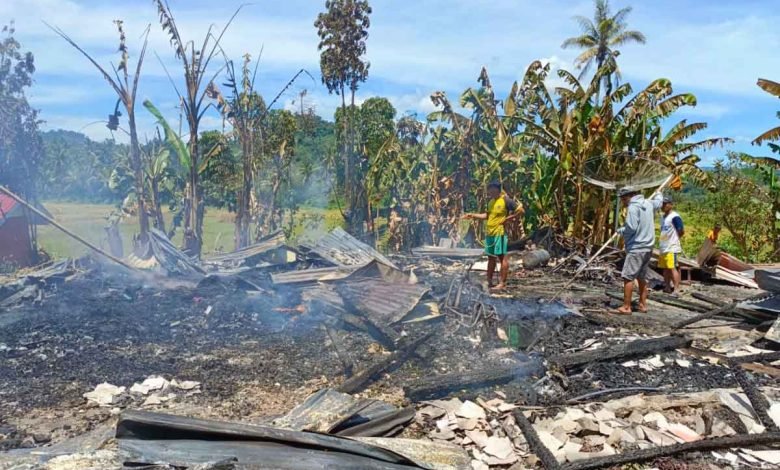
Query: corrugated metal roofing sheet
(448, 252)
(271, 242)
(343, 249)
(383, 302)
(303, 276)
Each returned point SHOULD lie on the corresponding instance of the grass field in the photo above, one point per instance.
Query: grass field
(88, 220)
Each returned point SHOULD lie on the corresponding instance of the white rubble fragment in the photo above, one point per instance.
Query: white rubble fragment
(774, 413)
(604, 414)
(657, 418)
(683, 432)
(480, 438)
(500, 447)
(769, 456)
(152, 400)
(479, 465)
(432, 411)
(469, 409)
(444, 435)
(185, 385)
(104, 394)
(683, 363)
(492, 461)
(658, 438)
(467, 424)
(549, 441)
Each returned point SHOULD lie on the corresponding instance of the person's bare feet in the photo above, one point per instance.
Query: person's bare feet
(623, 311)
(498, 287)
(641, 308)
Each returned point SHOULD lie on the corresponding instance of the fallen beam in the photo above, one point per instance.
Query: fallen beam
(644, 347)
(364, 378)
(757, 399)
(442, 385)
(736, 311)
(704, 445)
(535, 443)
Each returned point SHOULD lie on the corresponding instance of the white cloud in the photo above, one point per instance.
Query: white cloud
(706, 110)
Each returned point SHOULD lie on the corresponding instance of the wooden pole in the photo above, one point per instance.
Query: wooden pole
(63, 229)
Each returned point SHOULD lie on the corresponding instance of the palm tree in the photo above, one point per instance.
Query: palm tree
(600, 37)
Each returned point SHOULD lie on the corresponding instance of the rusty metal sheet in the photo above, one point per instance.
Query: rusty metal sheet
(342, 249)
(382, 302)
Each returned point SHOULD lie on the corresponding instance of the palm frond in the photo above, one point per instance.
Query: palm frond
(771, 134)
(627, 37)
(769, 86)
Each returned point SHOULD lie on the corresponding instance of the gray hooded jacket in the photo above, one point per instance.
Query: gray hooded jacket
(639, 228)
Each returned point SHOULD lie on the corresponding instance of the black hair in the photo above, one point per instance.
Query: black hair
(494, 184)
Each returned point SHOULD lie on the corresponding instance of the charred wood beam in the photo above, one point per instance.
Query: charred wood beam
(754, 317)
(337, 347)
(535, 443)
(442, 385)
(704, 445)
(705, 316)
(765, 357)
(757, 399)
(666, 300)
(644, 347)
(367, 376)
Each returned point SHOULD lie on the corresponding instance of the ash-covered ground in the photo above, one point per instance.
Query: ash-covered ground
(258, 354)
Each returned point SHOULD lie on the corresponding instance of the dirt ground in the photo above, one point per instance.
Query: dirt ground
(256, 357)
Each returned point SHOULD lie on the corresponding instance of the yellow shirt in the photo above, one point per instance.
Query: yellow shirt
(497, 213)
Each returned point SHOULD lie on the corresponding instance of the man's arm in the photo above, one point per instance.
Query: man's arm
(476, 216)
(678, 225)
(631, 223)
(658, 201)
(518, 212)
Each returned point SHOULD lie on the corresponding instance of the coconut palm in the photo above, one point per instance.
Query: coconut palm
(600, 39)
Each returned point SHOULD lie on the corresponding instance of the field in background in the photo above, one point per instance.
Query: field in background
(88, 220)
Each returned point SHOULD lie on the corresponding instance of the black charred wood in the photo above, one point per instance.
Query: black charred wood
(535, 443)
(644, 347)
(757, 399)
(704, 445)
(443, 385)
(367, 376)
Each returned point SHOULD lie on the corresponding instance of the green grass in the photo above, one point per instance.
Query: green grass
(88, 220)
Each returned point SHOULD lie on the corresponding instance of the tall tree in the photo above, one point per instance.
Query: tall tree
(343, 30)
(600, 39)
(195, 62)
(126, 90)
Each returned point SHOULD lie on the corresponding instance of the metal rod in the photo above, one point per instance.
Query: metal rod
(63, 229)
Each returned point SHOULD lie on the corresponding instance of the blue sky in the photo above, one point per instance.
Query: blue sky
(714, 49)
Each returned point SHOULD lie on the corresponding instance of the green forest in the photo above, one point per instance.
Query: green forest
(397, 181)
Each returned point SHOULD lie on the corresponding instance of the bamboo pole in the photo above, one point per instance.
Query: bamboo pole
(63, 229)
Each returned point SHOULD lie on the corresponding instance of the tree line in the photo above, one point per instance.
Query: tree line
(418, 173)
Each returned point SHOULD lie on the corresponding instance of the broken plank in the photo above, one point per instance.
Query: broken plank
(757, 399)
(364, 378)
(535, 443)
(642, 347)
(762, 369)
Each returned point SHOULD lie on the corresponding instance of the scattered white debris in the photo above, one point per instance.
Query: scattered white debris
(469, 409)
(104, 394)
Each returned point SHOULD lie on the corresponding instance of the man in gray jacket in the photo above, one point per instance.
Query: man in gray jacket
(639, 236)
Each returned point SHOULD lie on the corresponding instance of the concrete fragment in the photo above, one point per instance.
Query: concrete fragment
(479, 465)
(549, 441)
(467, 424)
(445, 435)
(500, 447)
(657, 418)
(469, 409)
(683, 432)
(588, 425)
(104, 394)
(480, 438)
(658, 438)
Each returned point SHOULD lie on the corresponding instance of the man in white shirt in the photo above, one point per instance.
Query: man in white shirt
(669, 243)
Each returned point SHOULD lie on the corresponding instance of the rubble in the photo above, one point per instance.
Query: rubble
(407, 359)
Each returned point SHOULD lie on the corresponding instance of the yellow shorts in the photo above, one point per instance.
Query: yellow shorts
(668, 261)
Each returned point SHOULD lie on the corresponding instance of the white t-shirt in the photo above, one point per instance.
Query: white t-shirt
(670, 240)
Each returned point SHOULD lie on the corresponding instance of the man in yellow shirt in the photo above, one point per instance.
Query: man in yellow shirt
(713, 234)
(500, 210)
